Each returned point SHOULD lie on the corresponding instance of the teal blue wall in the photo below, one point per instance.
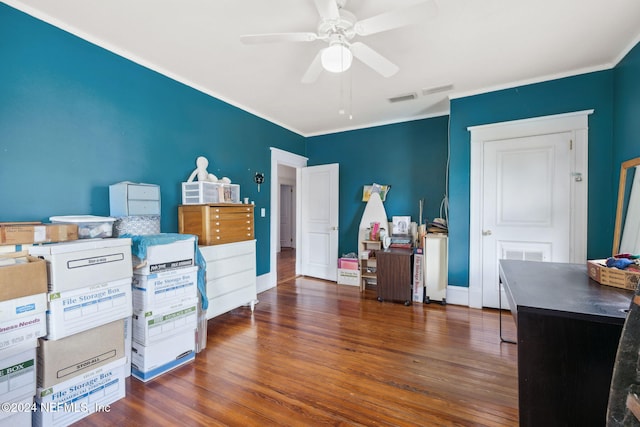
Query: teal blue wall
(583, 92)
(627, 109)
(410, 156)
(75, 118)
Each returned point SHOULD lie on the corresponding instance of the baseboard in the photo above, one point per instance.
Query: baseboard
(265, 282)
(458, 295)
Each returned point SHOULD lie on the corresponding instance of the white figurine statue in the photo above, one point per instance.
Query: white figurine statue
(201, 171)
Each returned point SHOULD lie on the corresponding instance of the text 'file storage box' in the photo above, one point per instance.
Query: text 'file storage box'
(148, 362)
(163, 256)
(164, 288)
(74, 265)
(161, 322)
(60, 360)
(18, 376)
(80, 309)
(73, 399)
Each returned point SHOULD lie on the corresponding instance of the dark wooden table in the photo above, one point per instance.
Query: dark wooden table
(568, 329)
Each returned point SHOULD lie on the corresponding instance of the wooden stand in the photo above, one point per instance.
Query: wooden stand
(395, 273)
(369, 265)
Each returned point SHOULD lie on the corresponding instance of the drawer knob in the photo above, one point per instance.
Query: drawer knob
(218, 237)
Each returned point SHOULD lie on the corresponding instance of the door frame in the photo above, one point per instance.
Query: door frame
(284, 158)
(575, 122)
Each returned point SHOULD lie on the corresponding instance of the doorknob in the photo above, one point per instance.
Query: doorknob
(486, 232)
(334, 228)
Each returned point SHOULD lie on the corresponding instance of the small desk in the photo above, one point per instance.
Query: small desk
(568, 332)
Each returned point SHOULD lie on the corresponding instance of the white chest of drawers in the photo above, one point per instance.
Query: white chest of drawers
(231, 276)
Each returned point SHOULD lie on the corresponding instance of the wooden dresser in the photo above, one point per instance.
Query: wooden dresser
(226, 240)
(216, 224)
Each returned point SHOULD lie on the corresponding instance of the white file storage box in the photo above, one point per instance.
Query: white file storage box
(22, 307)
(72, 400)
(22, 333)
(178, 254)
(73, 265)
(18, 376)
(80, 309)
(162, 322)
(164, 288)
(22, 418)
(148, 362)
(131, 199)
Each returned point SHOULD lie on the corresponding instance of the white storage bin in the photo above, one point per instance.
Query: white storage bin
(164, 288)
(73, 399)
(148, 362)
(200, 192)
(178, 254)
(73, 265)
(131, 199)
(150, 326)
(89, 226)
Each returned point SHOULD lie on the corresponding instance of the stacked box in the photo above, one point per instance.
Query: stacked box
(23, 287)
(82, 358)
(71, 400)
(165, 307)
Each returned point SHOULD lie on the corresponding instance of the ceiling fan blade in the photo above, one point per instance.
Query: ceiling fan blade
(278, 37)
(373, 59)
(328, 9)
(415, 14)
(314, 70)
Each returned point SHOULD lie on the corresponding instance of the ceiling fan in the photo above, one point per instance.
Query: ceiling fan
(338, 27)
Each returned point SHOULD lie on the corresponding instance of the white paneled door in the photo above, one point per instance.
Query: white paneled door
(526, 204)
(319, 221)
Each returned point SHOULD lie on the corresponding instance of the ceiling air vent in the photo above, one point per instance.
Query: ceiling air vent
(406, 97)
(437, 89)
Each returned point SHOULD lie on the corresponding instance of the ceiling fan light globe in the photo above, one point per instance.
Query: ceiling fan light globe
(336, 58)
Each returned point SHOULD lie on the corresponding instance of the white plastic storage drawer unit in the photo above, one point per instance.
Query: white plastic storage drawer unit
(231, 276)
(133, 199)
(73, 265)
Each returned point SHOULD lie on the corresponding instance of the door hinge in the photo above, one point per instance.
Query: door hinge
(571, 144)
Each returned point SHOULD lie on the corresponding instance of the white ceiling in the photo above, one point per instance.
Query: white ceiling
(474, 45)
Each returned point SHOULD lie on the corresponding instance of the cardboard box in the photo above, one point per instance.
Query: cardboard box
(348, 263)
(625, 279)
(148, 362)
(20, 280)
(128, 333)
(28, 233)
(22, 333)
(81, 309)
(85, 263)
(178, 254)
(22, 307)
(418, 276)
(348, 277)
(161, 322)
(164, 288)
(20, 414)
(80, 396)
(18, 376)
(60, 360)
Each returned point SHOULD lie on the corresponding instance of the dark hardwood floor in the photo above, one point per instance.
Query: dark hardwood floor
(317, 353)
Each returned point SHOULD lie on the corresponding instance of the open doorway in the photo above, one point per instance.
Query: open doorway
(284, 172)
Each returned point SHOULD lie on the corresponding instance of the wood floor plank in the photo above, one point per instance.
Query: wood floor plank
(317, 353)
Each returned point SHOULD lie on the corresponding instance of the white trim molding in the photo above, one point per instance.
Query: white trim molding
(575, 122)
(285, 158)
